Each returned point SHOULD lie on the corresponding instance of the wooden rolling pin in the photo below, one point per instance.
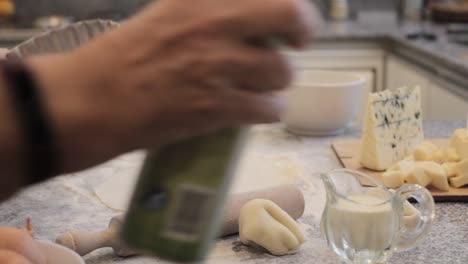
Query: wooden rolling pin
(86, 242)
(288, 197)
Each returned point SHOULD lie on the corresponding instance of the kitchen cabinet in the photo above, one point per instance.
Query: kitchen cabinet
(366, 59)
(439, 101)
(367, 62)
(401, 73)
(445, 105)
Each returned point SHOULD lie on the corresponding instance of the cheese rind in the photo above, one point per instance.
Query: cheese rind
(392, 127)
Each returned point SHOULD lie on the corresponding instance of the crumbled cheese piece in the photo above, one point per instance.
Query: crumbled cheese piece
(450, 169)
(419, 176)
(462, 174)
(393, 179)
(459, 142)
(437, 174)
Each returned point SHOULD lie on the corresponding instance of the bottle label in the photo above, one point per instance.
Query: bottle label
(188, 212)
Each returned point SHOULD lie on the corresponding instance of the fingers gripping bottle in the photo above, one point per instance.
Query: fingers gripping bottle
(176, 206)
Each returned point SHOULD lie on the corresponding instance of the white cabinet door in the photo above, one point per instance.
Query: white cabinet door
(446, 105)
(367, 62)
(438, 100)
(357, 59)
(401, 73)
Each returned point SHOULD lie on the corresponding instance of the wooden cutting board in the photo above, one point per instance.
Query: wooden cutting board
(347, 151)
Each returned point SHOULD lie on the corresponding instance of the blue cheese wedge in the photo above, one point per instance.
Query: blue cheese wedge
(392, 127)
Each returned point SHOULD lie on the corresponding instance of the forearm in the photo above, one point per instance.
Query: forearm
(82, 132)
(84, 111)
(66, 85)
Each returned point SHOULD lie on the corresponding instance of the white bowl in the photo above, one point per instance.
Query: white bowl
(320, 103)
(57, 254)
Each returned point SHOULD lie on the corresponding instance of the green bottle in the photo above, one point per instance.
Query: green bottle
(178, 200)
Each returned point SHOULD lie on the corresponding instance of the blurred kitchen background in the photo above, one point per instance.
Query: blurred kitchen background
(21, 19)
(27, 14)
(389, 42)
(29, 10)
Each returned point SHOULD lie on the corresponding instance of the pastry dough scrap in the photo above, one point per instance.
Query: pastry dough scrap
(263, 223)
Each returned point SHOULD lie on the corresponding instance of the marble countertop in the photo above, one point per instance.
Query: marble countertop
(68, 203)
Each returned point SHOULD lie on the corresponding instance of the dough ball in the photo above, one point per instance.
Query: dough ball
(263, 223)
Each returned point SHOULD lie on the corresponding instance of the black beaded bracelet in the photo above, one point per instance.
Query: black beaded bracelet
(41, 152)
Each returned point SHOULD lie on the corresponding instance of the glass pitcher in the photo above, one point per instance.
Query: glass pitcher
(366, 224)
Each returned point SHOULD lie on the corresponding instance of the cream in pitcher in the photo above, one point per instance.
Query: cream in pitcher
(362, 221)
(366, 224)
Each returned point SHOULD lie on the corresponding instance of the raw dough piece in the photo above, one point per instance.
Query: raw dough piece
(116, 192)
(263, 223)
(259, 171)
(288, 197)
(255, 172)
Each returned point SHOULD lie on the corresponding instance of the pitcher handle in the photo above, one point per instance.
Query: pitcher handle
(408, 238)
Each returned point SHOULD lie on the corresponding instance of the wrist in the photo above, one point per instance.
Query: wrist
(13, 168)
(69, 87)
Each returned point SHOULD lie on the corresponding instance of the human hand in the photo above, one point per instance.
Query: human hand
(175, 70)
(18, 247)
(3, 53)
